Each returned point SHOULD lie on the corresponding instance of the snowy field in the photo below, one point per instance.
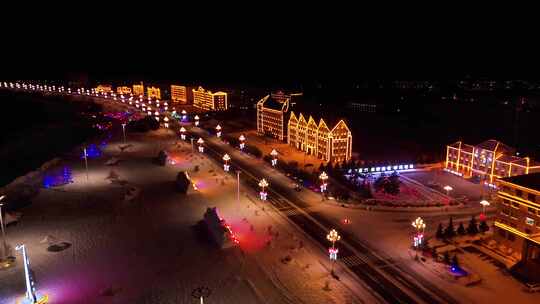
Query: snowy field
(146, 249)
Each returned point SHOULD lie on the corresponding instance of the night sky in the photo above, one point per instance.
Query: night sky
(246, 53)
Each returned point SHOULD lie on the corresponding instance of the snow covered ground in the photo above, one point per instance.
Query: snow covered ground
(146, 249)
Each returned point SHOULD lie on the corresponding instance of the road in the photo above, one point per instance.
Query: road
(389, 281)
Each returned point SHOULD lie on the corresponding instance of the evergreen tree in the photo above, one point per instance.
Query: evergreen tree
(483, 226)
(473, 226)
(379, 182)
(450, 230)
(461, 229)
(440, 232)
(392, 184)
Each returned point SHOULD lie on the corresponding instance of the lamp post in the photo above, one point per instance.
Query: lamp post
(226, 159)
(484, 204)
(30, 284)
(218, 131)
(333, 236)
(263, 184)
(166, 122)
(4, 244)
(196, 120)
(124, 132)
(242, 139)
(323, 177)
(418, 238)
(157, 115)
(200, 141)
(184, 115)
(274, 154)
(238, 187)
(448, 189)
(86, 162)
(183, 133)
(201, 293)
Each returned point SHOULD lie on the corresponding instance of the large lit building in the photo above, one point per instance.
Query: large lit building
(104, 88)
(517, 222)
(178, 93)
(487, 161)
(333, 145)
(271, 111)
(209, 101)
(123, 90)
(138, 89)
(153, 92)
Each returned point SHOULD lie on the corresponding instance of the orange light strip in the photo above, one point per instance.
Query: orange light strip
(517, 199)
(515, 231)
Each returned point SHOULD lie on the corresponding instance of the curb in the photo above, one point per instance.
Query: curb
(394, 209)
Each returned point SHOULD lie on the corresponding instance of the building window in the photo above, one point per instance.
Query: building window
(531, 197)
(519, 192)
(502, 232)
(515, 205)
(506, 202)
(529, 221)
(511, 237)
(531, 210)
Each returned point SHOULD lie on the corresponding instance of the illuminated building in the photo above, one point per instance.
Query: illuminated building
(153, 92)
(334, 145)
(488, 160)
(271, 111)
(517, 222)
(104, 88)
(178, 93)
(138, 89)
(206, 100)
(123, 90)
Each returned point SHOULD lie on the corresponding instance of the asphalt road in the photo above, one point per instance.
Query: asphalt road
(387, 280)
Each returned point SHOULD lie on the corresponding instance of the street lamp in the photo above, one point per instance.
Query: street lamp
(274, 154)
(333, 236)
(218, 131)
(124, 132)
(86, 162)
(323, 177)
(484, 204)
(184, 115)
(166, 122)
(4, 244)
(183, 133)
(226, 159)
(242, 139)
(31, 296)
(448, 189)
(200, 141)
(263, 184)
(196, 120)
(420, 228)
(157, 115)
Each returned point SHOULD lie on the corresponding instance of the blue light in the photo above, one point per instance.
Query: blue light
(92, 151)
(57, 177)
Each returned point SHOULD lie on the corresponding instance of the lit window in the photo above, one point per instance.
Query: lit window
(529, 221)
